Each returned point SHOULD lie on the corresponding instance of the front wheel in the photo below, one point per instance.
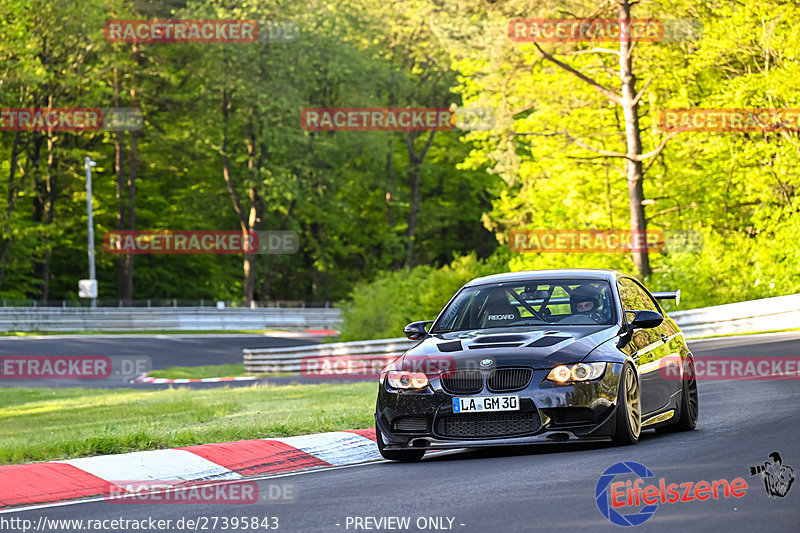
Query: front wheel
(405, 456)
(629, 408)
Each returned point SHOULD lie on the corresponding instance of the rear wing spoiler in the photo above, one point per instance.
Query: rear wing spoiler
(671, 295)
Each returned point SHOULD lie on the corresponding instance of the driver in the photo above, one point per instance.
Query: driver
(585, 300)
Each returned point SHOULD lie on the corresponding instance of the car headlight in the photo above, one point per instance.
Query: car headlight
(400, 379)
(579, 372)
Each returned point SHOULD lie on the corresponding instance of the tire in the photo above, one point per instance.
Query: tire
(405, 456)
(629, 408)
(689, 409)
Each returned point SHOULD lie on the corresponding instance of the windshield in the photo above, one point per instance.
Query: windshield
(529, 303)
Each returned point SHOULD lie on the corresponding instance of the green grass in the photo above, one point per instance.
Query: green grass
(46, 424)
(209, 371)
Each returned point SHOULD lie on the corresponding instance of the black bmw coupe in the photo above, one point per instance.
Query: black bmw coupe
(539, 356)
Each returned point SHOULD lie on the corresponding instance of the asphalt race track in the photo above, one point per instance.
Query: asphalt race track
(164, 351)
(546, 488)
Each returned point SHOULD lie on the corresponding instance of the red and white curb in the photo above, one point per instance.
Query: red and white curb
(95, 476)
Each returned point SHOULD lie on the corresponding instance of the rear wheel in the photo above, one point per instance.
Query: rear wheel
(689, 408)
(629, 408)
(406, 456)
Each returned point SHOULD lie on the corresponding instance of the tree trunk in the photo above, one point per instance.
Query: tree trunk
(414, 189)
(12, 199)
(413, 186)
(256, 212)
(51, 178)
(389, 186)
(629, 101)
(633, 138)
(127, 293)
(246, 220)
(119, 171)
(266, 288)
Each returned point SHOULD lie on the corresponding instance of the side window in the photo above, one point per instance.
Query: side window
(457, 315)
(649, 301)
(634, 297)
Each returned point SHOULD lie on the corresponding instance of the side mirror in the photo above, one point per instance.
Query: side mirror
(416, 330)
(645, 319)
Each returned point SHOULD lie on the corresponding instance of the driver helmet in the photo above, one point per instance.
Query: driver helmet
(585, 299)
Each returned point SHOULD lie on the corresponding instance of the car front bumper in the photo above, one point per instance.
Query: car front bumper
(548, 413)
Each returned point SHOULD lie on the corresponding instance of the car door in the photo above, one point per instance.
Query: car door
(647, 347)
(674, 348)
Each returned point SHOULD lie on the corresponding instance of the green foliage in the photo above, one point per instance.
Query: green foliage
(332, 188)
(381, 308)
(734, 267)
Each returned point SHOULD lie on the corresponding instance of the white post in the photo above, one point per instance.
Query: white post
(89, 164)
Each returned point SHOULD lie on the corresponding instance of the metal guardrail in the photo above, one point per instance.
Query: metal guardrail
(779, 312)
(165, 318)
(782, 312)
(289, 359)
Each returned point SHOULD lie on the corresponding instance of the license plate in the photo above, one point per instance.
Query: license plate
(483, 404)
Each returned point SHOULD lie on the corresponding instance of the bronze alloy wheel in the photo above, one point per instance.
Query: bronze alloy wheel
(633, 403)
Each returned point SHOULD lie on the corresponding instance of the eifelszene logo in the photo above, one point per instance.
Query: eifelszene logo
(630, 494)
(778, 477)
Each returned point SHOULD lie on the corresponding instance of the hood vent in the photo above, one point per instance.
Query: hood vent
(547, 340)
(495, 345)
(498, 341)
(501, 339)
(453, 346)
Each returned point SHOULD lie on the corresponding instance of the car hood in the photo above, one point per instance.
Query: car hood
(510, 347)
